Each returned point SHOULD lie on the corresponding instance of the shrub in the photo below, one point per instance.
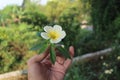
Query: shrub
(10, 14)
(103, 15)
(117, 25)
(91, 43)
(14, 47)
(101, 68)
(35, 18)
(105, 19)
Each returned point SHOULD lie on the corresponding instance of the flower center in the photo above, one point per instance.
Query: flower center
(53, 34)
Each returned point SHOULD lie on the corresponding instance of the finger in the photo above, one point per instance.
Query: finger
(39, 58)
(48, 63)
(59, 57)
(68, 62)
(71, 51)
(43, 55)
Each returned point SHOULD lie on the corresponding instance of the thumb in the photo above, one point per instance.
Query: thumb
(39, 58)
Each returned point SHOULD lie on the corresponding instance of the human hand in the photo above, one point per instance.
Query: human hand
(41, 68)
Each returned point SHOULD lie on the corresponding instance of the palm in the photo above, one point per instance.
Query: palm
(56, 71)
(43, 69)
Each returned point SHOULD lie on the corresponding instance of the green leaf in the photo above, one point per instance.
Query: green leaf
(52, 54)
(64, 52)
(38, 34)
(39, 45)
(36, 47)
(43, 48)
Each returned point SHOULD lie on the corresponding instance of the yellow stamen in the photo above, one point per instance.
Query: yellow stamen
(53, 34)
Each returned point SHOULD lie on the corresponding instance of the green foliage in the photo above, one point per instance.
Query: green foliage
(90, 43)
(52, 54)
(71, 25)
(53, 9)
(14, 47)
(74, 73)
(35, 18)
(15, 14)
(117, 25)
(64, 52)
(103, 15)
(101, 68)
(105, 20)
(10, 14)
(32, 14)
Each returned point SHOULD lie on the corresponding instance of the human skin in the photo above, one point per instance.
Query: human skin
(41, 68)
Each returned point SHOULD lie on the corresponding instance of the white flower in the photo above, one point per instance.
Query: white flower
(118, 58)
(105, 64)
(62, 46)
(55, 33)
(108, 71)
(101, 57)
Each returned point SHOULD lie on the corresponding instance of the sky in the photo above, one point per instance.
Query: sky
(4, 3)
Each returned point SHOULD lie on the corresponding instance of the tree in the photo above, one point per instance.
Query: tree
(104, 13)
(25, 3)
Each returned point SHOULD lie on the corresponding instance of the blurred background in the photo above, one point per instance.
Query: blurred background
(91, 25)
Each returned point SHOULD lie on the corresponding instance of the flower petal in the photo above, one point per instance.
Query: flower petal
(57, 27)
(44, 35)
(62, 34)
(55, 41)
(47, 28)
